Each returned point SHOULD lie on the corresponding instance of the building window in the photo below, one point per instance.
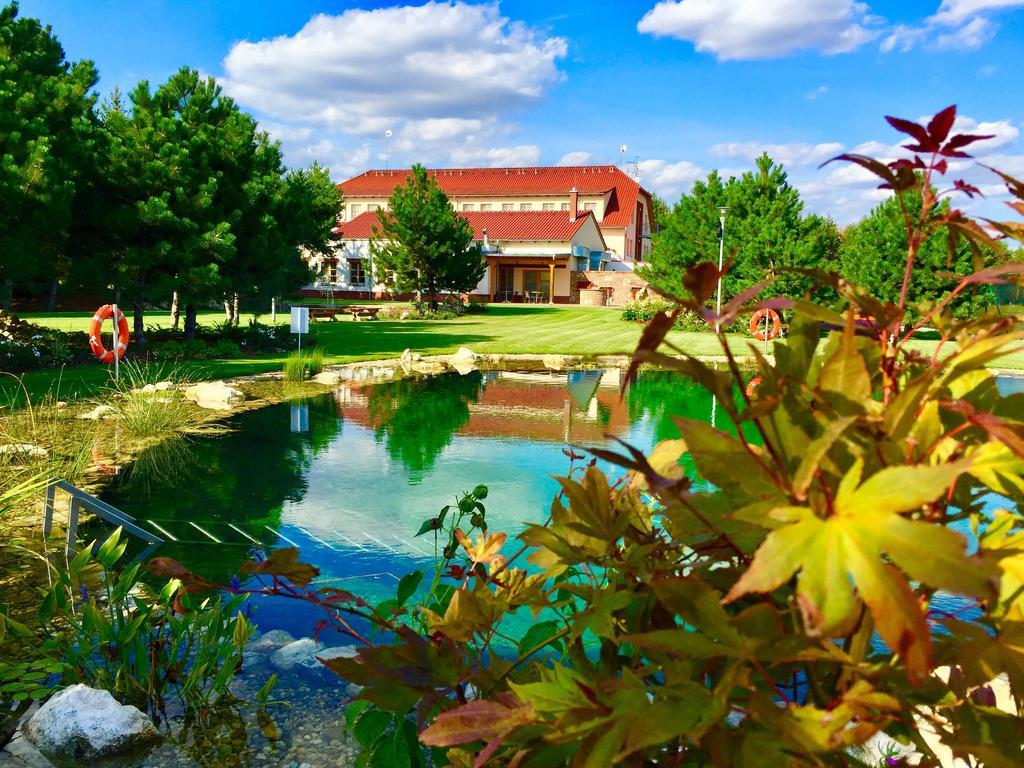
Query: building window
(564, 206)
(590, 206)
(373, 207)
(356, 273)
(526, 206)
(468, 207)
(356, 210)
(485, 206)
(331, 273)
(507, 206)
(548, 206)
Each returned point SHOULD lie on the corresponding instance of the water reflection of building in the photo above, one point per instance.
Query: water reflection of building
(559, 407)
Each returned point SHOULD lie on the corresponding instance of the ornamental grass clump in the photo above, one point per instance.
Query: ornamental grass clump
(299, 366)
(809, 589)
(148, 401)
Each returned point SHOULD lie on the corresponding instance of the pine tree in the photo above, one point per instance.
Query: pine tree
(429, 249)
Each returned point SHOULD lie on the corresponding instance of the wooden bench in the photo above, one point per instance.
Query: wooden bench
(325, 313)
(362, 312)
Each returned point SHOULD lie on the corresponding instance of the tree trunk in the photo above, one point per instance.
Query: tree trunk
(51, 297)
(140, 324)
(234, 310)
(190, 321)
(227, 311)
(7, 294)
(175, 311)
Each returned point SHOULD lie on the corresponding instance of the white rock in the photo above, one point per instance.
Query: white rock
(410, 357)
(428, 367)
(214, 395)
(24, 449)
(554, 362)
(149, 389)
(328, 378)
(99, 412)
(405, 314)
(165, 386)
(304, 656)
(464, 361)
(269, 642)
(82, 723)
(287, 657)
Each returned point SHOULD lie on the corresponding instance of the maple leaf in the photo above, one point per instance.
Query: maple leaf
(834, 554)
(283, 563)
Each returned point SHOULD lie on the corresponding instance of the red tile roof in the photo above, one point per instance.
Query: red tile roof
(500, 225)
(556, 180)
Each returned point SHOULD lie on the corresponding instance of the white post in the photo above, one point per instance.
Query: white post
(117, 352)
(721, 256)
(273, 311)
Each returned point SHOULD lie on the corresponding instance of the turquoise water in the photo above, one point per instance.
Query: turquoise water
(349, 477)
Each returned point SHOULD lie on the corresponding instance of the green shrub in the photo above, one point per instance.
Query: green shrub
(392, 313)
(144, 413)
(225, 349)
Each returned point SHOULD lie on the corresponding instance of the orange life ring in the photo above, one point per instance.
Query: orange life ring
(103, 314)
(758, 328)
(752, 386)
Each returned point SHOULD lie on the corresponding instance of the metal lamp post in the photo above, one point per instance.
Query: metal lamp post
(722, 210)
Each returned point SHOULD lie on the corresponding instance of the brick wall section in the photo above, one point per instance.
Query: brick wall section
(621, 287)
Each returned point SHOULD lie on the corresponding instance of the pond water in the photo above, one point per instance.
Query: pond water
(349, 477)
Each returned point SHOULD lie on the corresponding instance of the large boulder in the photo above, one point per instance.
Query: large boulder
(555, 362)
(328, 378)
(82, 724)
(269, 642)
(214, 395)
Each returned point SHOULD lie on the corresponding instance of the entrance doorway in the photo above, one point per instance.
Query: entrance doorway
(506, 283)
(537, 285)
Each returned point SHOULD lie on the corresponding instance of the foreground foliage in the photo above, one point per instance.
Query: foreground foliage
(838, 569)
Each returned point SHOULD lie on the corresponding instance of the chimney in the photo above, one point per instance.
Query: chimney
(573, 204)
(487, 243)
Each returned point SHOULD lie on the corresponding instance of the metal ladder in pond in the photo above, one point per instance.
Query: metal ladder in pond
(83, 500)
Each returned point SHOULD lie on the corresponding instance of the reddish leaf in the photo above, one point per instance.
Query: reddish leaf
(877, 167)
(968, 189)
(479, 720)
(169, 568)
(940, 125)
(1015, 186)
(954, 145)
(654, 333)
(918, 132)
(283, 563)
(702, 279)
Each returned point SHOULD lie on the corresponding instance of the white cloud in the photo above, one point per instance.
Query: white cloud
(821, 90)
(957, 24)
(755, 29)
(494, 157)
(444, 77)
(790, 155)
(364, 71)
(668, 179)
(575, 158)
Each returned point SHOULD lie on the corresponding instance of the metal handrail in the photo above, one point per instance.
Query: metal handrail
(81, 499)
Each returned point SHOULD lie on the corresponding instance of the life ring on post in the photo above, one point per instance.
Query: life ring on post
(103, 354)
(752, 386)
(760, 330)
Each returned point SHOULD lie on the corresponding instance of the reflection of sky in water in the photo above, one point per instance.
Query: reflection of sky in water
(349, 479)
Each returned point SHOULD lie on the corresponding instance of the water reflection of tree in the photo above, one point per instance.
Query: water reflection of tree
(661, 395)
(417, 417)
(243, 477)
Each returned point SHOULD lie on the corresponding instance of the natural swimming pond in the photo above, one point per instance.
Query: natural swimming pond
(348, 477)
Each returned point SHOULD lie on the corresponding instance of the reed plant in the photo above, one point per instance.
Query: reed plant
(299, 366)
(148, 402)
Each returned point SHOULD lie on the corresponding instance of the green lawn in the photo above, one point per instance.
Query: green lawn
(504, 328)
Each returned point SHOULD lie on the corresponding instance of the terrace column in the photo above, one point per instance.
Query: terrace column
(551, 282)
(491, 277)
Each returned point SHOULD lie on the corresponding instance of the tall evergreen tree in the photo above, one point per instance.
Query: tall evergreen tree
(429, 249)
(46, 129)
(765, 232)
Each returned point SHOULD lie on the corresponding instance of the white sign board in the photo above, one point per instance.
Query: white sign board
(300, 419)
(300, 319)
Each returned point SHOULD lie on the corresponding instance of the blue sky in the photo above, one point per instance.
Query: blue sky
(687, 85)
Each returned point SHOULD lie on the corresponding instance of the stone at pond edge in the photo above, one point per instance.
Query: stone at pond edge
(82, 723)
(463, 361)
(328, 378)
(269, 642)
(214, 395)
(554, 362)
(99, 412)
